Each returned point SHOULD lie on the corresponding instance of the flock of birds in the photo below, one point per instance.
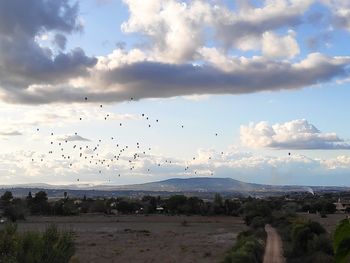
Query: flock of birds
(70, 151)
(67, 149)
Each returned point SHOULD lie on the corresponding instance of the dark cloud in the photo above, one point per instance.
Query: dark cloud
(23, 62)
(32, 17)
(61, 41)
(161, 80)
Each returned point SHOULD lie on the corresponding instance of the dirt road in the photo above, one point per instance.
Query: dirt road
(274, 248)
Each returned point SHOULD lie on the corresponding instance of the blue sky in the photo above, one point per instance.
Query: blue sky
(261, 88)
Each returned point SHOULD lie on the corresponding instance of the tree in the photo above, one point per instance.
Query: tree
(40, 204)
(29, 196)
(304, 236)
(174, 203)
(341, 242)
(7, 197)
(232, 207)
(40, 197)
(218, 200)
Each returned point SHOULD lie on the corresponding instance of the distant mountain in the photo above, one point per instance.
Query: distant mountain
(209, 184)
(200, 184)
(188, 185)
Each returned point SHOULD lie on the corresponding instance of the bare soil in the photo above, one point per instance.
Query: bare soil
(141, 238)
(274, 247)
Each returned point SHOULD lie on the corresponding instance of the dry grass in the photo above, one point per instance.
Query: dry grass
(154, 238)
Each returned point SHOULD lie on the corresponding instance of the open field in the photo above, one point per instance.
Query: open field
(140, 238)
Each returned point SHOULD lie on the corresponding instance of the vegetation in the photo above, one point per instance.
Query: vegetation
(249, 248)
(341, 243)
(304, 241)
(52, 246)
(16, 209)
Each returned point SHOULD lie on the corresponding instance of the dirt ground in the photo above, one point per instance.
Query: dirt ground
(329, 223)
(274, 247)
(140, 238)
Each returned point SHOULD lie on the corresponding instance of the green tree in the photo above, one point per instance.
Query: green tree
(341, 242)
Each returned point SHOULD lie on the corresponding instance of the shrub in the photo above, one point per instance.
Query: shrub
(341, 241)
(248, 249)
(53, 246)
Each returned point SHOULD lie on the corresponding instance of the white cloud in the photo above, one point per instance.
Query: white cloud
(296, 134)
(175, 28)
(25, 119)
(340, 162)
(30, 167)
(275, 46)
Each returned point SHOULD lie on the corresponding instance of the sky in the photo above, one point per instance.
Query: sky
(127, 91)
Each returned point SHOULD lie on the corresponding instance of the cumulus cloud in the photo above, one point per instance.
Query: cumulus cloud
(244, 29)
(296, 134)
(191, 50)
(177, 29)
(279, 47)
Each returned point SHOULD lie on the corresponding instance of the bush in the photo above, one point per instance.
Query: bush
(14, 212)
(258, 222)
(9, 243)
(53, 246)
(248, 249)
(341, 241)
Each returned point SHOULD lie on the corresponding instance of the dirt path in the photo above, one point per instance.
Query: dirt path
(274, 248)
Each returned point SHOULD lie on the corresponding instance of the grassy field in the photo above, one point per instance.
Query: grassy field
(140, 238)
